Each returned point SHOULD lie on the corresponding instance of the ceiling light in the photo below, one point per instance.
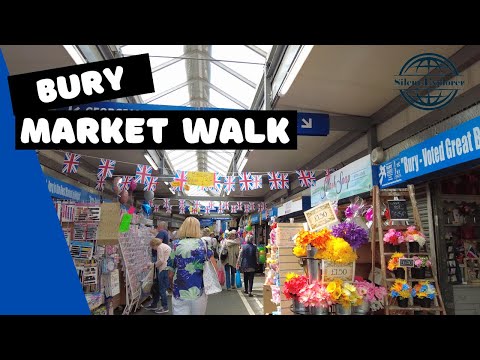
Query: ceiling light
(166, 183)
(75, 54)
(294, 70)
(150, 160)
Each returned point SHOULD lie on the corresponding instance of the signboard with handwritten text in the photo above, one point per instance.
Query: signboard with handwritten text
(398, 209)
(406, 262)
(332, 271)
(321, 216)
(200, 178)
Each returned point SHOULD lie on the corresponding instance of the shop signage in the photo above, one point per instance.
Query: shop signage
(332, 271)
(452, 147)
(321, 216)
(353, 179)
(405, 262)
(255, 219)
(398, 209)
(200, 178)
(62, 190)
(206, 222)
(271, 212)
(313, 124)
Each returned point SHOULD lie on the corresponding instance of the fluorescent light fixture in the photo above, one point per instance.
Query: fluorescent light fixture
(243, 153)
(166, 183)
(242, 165)
(75, 54)
(150, 160)
(294, 70)
(172, 191)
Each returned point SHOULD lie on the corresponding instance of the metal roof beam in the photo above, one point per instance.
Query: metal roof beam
(165, 64)
(257, 50)
(168, 91)
(236, 74)
(228, 96)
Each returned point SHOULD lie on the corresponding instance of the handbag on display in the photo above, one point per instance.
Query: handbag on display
(210, 277)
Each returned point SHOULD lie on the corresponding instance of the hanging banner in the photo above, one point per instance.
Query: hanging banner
(353, 179)
(200, 178)
(452, 147)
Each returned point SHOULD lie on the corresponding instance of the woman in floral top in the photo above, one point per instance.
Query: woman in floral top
(185, 267)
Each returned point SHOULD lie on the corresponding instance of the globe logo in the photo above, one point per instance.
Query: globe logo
(428, 81)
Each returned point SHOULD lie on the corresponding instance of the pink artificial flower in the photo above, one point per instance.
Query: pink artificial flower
(369, 214)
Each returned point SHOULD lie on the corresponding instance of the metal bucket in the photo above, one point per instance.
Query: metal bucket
(299, 308)
(313, 265)
(362, 309)
(314, 310)
(341, 310)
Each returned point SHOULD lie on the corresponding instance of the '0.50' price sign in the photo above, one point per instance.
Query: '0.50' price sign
(332, 271)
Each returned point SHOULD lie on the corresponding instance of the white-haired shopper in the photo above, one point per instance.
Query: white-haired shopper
(247, 263)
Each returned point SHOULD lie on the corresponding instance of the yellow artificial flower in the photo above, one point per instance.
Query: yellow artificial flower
(290, 276)
(300, 251)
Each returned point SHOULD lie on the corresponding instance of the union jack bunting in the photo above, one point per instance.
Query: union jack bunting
(181, 206)
(246, 208)
(224, 205)
(156, 208)
(220, 210)
(166, 203)
(181, 177)
(168, 210)
(230, 183)
(272, 180)
(218, 182)
(105, 169)
(233, 209)
(306, 178)
(194, 210)
(207, 210)
(210, 205)
(257, 181)
(283, 182)
(100, 184)
(126, 182)
(239, 205)
(70, 163)
(151, 183)
(246, 181)
(142, 172)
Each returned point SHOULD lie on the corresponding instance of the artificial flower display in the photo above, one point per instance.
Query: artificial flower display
(293, 285)
(300, 251)
(334, 288)
(337, 250)
(369, 214)
(315, 294)
(421, 261)
(353, 234)
(413, 235)
(275, 294)
(424, 289)
(316, 239)
(393, 262)
(393, 237)
(372, 293)
(343, 293)
(400, 289)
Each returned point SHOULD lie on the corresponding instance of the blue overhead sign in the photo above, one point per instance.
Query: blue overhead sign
(313, 124)
(452, 147)
(62, 190)
(110, 106)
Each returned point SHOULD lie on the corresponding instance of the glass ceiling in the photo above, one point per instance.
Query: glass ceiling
(204, 76)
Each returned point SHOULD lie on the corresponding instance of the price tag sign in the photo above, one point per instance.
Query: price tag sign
(200, 178)
(405, 262)
(332, 271)
(175, 183)
(321, 216)
(398, 209)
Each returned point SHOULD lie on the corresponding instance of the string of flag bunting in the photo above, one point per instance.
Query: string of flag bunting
(223, 206)
(247, 181)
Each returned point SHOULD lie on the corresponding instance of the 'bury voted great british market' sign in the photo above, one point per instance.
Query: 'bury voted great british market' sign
(455, 146)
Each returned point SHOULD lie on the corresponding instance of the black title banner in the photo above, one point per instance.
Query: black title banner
(157, 129)
(81, 84)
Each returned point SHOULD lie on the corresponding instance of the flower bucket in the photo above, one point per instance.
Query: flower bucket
(402, 302)
(394, 248)
(299, 308)
(318, 310)
(313, 265)
(417, 301)
(414, 247)
(418, 273)
(399, 273)
(342, 310)
(426, 302)
(362, 309)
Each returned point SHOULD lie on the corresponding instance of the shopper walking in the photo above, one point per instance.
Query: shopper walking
(247, 263)
(162, 232)
(185, 267)
(163, 254)
(232, 246)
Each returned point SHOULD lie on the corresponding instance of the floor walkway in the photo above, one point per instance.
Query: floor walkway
(233, 302)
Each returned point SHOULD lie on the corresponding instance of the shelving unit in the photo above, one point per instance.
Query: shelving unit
(380, 197)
